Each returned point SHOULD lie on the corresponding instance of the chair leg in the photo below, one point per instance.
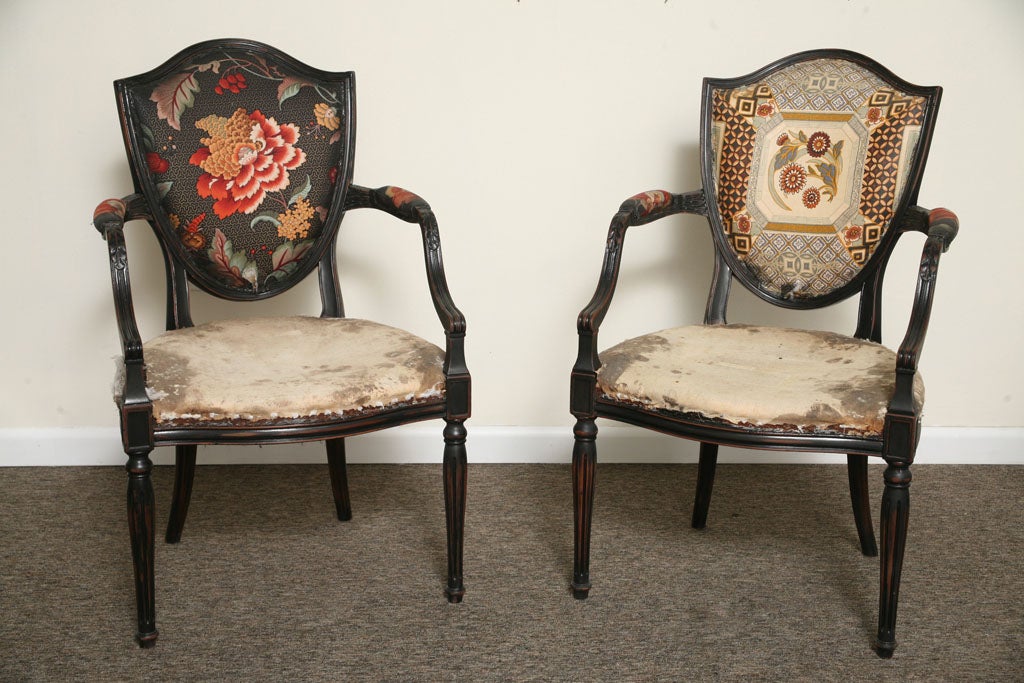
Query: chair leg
(140, 528)
(857, 469)
(584, 461)
(454, 504)
(705, 481)
(339, 478)
(184, 471)
(895, 513)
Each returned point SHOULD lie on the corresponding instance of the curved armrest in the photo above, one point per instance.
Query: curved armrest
(109, 218)
(412, 208)
(639, 209)
(942, 229)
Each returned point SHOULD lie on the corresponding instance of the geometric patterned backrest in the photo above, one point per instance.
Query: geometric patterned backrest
(244, 155)
(811, 159)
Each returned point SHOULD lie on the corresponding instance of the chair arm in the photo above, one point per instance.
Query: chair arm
(412, 208)
(942, 229)
(109, 218)
(639, 209)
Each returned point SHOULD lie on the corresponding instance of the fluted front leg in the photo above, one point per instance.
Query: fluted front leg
(705, 482)
(584, 461)
(857, 471)
(339, 478)
(455, 504)
(140, 527)
(184, 472)
(895, 514)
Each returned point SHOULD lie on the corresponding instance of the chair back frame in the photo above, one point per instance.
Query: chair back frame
(868, 279)
(165, 95)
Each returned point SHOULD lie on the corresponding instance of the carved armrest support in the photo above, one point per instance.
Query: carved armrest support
(412, 208)
(639, 209)
(942, 229)
(109, 218)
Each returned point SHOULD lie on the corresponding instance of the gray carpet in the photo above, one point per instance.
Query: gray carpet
(267, 586)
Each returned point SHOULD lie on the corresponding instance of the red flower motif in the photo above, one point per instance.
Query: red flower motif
(743, 224)
(818, 144)
(247, 156)
(765, 110)
(853, 233)
(792, 178)
(874, 115)
(332, 175)
(811, 197)
(156, 163)
(782, 139)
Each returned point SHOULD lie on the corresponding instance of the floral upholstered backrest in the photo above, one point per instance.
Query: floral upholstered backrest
(811, 159)
(244, 156)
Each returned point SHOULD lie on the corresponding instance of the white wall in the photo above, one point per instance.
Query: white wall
(524, 124)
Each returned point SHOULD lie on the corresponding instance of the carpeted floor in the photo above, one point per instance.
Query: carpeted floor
(267, 586)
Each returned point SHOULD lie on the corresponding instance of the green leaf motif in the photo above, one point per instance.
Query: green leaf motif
(268, 216)
(148, 139)
(238, 260)
(164, 188)
(289, 87)
(283, 271)
(302, 193)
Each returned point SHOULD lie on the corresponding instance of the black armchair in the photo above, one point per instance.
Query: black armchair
(811, 168)
(241, 158)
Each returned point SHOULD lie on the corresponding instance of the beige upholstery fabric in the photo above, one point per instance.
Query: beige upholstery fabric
(776, 378)
(284, 368)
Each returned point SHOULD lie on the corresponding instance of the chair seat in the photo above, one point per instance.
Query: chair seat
(282, 369)
(762, 377)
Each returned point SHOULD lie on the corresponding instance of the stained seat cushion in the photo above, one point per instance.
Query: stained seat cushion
(287, 368)
(767, 377)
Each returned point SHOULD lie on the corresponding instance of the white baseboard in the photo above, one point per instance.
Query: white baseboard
(422, 443)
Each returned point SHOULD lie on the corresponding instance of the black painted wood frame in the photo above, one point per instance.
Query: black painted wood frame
(901, 431)
(141, 434)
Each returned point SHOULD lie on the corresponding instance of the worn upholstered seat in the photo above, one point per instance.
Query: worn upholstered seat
(811, 168)
(772, 378)
(241, 157)
(330, 368)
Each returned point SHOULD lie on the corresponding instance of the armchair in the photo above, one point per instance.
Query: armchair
(241, 157)
(811, 168)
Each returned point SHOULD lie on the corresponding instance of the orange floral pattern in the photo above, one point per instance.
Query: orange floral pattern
(246, 156)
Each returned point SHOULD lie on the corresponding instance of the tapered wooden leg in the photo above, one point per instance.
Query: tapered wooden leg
(895, 514)
(705, 481)
(584, 465)
(454, 504)
(184, 471)
(857, 469)
(339, 478)
(140, 528)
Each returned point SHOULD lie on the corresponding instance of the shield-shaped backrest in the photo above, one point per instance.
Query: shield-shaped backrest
(810, 160)
(244, 155)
